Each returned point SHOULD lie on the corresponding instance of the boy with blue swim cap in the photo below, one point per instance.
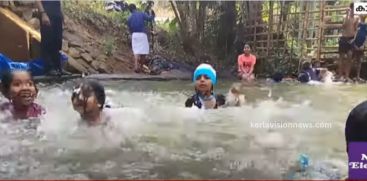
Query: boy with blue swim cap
(205, 69)
(205, 77)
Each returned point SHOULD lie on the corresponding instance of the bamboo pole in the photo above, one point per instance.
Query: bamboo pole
(269, 27)
(300, 23)
(292, 37)
(281, 4)
(313, 30)
(286, 30)
(304, 35)
(321, 32)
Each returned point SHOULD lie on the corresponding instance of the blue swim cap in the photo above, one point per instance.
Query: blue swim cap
(206, 69)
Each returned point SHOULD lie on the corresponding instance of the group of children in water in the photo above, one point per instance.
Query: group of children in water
(18, 87)
(88, 98)
(310, 73)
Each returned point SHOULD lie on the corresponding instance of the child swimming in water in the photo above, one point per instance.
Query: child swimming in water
(308, 73)
(234, 97)
(205, 78)
(18, 87)
(88, 100)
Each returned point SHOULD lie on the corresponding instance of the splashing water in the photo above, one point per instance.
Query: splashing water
(153, 136)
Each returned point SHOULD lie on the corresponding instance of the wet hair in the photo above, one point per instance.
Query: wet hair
(89, 86)
(235, 89)
(150, 3)
(306, 65)
(277, 77)
(7, 79)
(316, 64)
(132, 7)
(351, 6)
(221, 100)
(356, 124)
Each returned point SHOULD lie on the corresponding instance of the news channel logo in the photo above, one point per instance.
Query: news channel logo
(360, 8)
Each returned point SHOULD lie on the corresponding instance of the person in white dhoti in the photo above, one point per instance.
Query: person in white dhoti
(139, 38)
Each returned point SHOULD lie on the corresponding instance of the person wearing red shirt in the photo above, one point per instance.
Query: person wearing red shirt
(246, 64)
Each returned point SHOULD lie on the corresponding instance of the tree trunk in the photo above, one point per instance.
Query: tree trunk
(200, 23)
(285, 13)
(270, 28)
(227, 22)
(179, 9)
(177, 14)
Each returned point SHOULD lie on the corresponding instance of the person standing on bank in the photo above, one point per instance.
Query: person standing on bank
(346, 48)
(139, 38)
(51, 18)
(149, 10)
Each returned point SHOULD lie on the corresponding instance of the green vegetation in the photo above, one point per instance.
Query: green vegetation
(109, 45)
(170, 30)
(92, 10)
(218, 28)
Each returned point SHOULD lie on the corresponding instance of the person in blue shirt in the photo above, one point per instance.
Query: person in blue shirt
(358, 43)
(139, 38)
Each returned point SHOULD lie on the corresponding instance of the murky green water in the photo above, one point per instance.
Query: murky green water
(154, 136)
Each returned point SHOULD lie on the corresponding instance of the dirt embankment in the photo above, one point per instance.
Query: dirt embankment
(97, 44)
(89, 46)
(101, 44)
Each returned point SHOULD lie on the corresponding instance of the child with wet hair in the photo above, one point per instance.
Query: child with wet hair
(88, 99)
(234, 97)
(21, 91)
(205, 78)
(308, 73)
(277, 77)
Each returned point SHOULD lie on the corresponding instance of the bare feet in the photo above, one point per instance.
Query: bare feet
(348, 80)
(359, 80)
(137, 71)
